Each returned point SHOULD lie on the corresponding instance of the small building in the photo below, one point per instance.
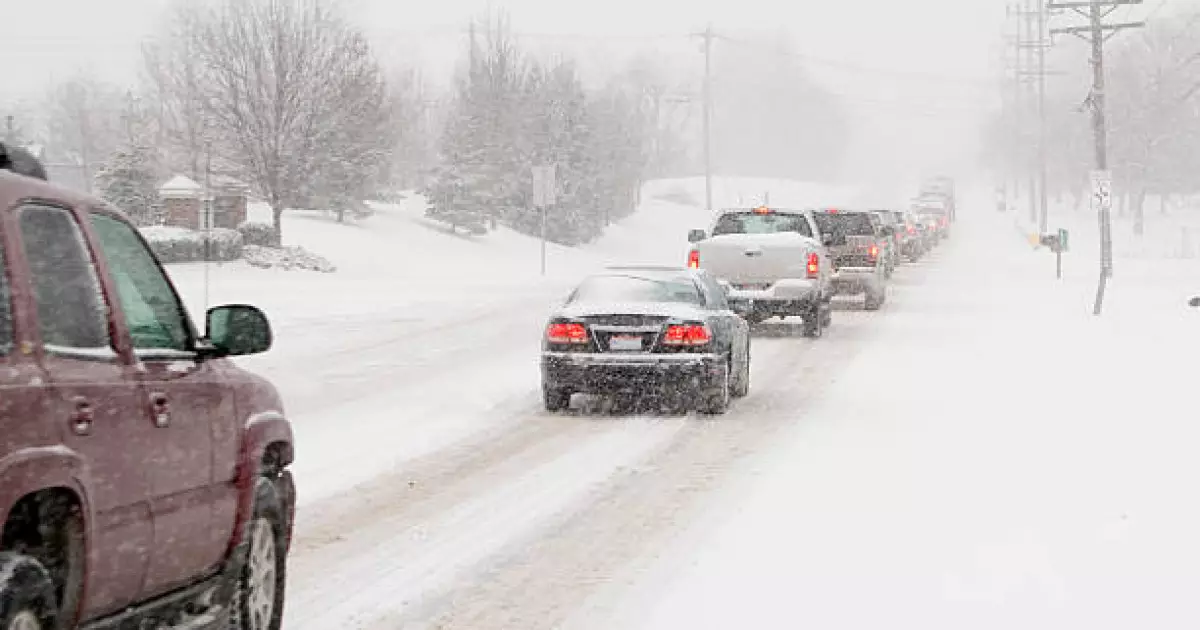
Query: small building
(184, 203)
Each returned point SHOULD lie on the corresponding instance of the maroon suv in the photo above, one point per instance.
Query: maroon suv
(143, 476)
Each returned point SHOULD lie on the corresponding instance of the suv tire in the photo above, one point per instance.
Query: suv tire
(258, 595)
(27, 595)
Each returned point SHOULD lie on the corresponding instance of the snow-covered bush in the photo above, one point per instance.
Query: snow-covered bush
(286, 258)
(176, 244)
(260, 234)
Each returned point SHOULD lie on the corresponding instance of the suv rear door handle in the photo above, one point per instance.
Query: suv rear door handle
(161, 408)
(82, 416)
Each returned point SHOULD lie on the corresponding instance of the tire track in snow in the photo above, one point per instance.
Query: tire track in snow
(577, 571)
(393, 563)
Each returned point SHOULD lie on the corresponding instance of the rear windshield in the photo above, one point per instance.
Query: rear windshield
(751, 223)
(842, 225)
(627, 288)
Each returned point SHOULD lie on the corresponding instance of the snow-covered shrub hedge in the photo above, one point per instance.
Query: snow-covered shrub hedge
(286, 258)
(176, 244)
(261, 234)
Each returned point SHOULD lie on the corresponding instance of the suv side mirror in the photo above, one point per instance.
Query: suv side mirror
(238, 330)
(695, 236)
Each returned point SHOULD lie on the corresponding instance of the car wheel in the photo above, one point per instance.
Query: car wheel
(743, 383)
(259, 593)
(874, 300)
(555, 399)
(814, 322)
(716, 398)
(26, 594)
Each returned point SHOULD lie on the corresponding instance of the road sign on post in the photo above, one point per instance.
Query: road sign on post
(1102, 204)
(543, 186)
(543, 197)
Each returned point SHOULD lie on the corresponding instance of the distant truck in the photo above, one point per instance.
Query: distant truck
(772, 262)
(858, 243)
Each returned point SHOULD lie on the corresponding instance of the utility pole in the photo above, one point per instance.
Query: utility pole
(1030, 44)
(1042, 43)
(1097, 33)
(1018, 46)
(708, 39)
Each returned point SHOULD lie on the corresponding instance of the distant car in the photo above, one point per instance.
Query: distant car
(942, 188)
(891, 238)
(856, 245)
(912, 239)
(647, 331)
(936, 211)
(773, 261)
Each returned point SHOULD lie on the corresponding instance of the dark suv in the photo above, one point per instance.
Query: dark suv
(143, 476)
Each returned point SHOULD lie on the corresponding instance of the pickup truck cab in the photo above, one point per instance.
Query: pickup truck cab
(858, 247)
(772, 263)
(143, 475)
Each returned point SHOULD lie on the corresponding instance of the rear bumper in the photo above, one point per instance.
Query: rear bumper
(782, 291)
(856, 279)
(609, 372)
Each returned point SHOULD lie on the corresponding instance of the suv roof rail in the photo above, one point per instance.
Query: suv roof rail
(19, 160)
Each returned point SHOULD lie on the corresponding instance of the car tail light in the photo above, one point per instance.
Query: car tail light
(873, 252)
(912, 229)
(814, 264)
(687, 335)
(694, 259)
(566, 333)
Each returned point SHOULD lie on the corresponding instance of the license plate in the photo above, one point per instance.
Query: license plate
(625, 343)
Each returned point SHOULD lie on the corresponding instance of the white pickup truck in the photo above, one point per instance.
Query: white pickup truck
(772, 262)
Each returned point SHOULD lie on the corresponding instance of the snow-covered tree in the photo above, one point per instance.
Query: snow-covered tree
(289, 92)
(83, 122)
(128, 180)
(481, 143)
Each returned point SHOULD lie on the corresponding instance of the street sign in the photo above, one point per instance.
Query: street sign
(1062, 240)
(1102, 190)
(1102, 203)
(543, 186)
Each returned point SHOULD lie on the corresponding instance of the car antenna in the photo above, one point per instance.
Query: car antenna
(208, 217)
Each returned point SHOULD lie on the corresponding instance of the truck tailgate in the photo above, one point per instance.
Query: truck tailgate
(756, 258)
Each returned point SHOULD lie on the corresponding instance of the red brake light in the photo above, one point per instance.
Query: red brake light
(687, 335)
(762, 210)
(814, 264)
(873, 252)
(566, 333)
(694, 259)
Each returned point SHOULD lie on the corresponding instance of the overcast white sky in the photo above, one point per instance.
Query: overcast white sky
(47, 40)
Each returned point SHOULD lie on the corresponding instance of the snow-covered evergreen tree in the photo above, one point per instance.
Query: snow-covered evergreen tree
(128, 181)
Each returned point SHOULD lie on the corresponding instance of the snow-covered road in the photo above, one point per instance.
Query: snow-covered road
(980, 453)
(515, 518)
